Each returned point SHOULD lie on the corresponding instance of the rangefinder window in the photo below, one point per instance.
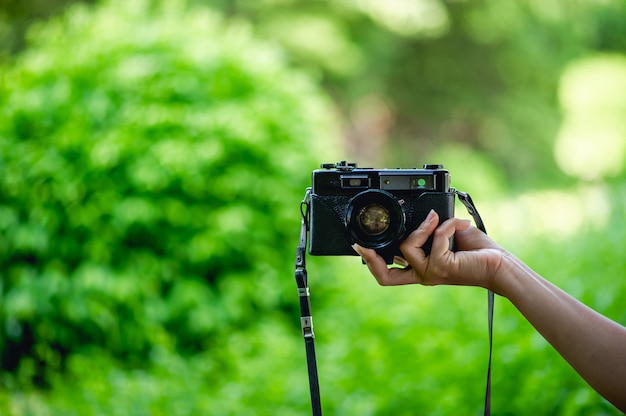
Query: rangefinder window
(405, 182)
(355, 182)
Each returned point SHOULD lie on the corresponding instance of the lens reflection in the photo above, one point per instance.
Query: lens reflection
(374, 219)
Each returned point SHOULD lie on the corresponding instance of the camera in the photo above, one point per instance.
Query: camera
(375, 208)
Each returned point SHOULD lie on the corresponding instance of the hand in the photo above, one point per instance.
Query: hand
(475, 263)
(592, 343)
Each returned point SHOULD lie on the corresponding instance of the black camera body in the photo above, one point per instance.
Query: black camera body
(375, 208)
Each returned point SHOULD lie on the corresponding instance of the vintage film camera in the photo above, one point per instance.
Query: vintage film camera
(375, 208)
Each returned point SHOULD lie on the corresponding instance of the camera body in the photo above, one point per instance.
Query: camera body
(375, 208)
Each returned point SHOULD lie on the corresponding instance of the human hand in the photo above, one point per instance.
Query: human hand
(475, 263)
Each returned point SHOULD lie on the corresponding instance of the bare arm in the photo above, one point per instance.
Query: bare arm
(593, 345)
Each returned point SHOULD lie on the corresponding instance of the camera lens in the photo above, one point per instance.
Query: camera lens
(374, 218)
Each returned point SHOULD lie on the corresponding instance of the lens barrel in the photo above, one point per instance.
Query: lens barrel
(374, 218)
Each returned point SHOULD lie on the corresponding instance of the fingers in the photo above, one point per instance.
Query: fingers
(473, 239)
(384, 275)
(411, 247)
(441, 241)
(423, 268)
(418, 237)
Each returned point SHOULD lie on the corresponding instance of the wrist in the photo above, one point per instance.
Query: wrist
(508, 275)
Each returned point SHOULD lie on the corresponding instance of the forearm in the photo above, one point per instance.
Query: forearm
(594, 345)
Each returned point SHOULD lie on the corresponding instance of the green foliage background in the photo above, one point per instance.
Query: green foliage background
(153, 156)
(148, 187)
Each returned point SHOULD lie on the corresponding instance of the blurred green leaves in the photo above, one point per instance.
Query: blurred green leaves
(149, 163)
(591, 143)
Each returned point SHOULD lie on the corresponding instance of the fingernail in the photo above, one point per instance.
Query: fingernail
(357, 248)
(401, 261)
(430, 217)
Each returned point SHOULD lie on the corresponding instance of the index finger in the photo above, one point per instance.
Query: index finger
(384, 275)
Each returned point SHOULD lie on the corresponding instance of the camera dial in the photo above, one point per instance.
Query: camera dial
(341, 166)
(374, 218)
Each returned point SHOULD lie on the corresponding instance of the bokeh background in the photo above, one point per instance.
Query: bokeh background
(153, 156)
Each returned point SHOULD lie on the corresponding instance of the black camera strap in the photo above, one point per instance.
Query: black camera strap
(306, 319)
(466, 199)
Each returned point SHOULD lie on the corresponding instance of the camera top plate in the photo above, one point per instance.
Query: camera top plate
(344, 178)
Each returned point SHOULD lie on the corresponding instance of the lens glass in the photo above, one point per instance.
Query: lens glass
(374, 219)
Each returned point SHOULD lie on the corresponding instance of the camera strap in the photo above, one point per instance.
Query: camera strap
(306, 319)
(466, 200)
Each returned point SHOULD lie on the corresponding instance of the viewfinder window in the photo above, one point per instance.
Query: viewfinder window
(355, 182)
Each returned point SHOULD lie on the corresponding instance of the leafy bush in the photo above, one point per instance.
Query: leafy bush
(151, 160)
